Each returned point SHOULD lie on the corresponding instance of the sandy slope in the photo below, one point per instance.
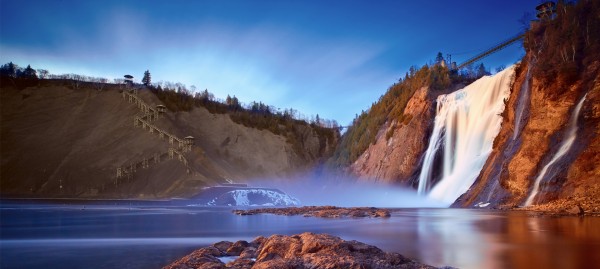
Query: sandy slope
(54, 135)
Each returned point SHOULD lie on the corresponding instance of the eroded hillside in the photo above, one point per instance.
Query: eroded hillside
(63, 141)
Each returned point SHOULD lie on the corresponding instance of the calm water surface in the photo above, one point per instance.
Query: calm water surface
(34, 235)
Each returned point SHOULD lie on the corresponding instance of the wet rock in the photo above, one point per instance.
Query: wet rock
(237, 248)
(202, 258)
(248, 253)
(222, 246)
(241, 263)
(382, 213)
(320, 212)
(575, 210)
(307, 250)
(258, 241)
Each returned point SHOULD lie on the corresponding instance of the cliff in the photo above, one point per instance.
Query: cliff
(546, 153)
(63, 141)
(533, 162)
(521, 153)
(395, 158)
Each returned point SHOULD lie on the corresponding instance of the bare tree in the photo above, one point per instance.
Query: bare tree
(42, 73)
(99, 83)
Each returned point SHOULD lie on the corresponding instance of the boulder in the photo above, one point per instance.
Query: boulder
(306, 250)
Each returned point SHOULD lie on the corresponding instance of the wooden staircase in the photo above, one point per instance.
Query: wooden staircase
(178, 146)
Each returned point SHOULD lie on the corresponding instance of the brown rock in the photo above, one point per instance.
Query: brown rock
(320, 211)
(575, 210)
(382, 213)
(393, 159)
(248, 253)
(222, 246)
(237, 248)
(241, 264)
(201, 258)
(305, 250)
(258, 241)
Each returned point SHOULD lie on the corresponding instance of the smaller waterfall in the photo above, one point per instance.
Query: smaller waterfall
(523, 101)
(564, 148)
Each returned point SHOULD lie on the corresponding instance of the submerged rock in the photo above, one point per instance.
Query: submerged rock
(307, 250)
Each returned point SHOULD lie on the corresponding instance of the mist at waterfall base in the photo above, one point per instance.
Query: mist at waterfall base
(348, 192)
(466, 123)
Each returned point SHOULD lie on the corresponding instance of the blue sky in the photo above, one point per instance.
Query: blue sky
(332, 58)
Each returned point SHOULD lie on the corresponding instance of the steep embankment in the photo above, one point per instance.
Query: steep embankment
(523, 151)
(58, 141)
(533, 162)
(394, 158)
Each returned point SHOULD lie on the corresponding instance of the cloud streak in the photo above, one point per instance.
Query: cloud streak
(333, 59)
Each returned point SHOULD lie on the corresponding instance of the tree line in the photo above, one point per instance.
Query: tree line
(563, 48)
(289, 123)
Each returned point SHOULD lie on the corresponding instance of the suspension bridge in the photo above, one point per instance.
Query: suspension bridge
(490, 51)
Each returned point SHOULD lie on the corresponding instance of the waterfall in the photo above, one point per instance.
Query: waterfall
(466, 123)
(523, 102)
(564, 148)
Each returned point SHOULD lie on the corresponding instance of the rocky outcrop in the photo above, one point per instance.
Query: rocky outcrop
(320, 212)
(305, 250)
(395, 155)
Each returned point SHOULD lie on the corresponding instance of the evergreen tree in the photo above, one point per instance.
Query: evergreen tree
(29, 73)
(9, 69)
(481, 71)
(146, 80)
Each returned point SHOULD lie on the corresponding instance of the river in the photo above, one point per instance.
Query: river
(108, 234)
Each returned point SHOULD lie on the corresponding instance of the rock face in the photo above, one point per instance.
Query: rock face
(547, 152)
(320, 211)
(305, 250)
(395, 158)
(58, 141)
(520, 154)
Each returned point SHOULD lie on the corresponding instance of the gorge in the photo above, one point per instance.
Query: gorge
(470, 158)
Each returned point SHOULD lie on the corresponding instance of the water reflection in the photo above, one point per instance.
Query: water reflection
(449, 237)
(150, 237)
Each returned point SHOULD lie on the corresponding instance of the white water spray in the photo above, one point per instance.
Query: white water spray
(466, 123)
(564, 148)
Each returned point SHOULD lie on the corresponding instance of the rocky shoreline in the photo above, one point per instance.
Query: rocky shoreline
(320, 212)
(306, 250)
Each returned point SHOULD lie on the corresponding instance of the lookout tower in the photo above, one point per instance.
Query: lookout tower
(546, 10)
(189, 142)
(161, 110)
(128, 80)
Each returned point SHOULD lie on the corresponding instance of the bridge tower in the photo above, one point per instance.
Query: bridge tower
(546, 10)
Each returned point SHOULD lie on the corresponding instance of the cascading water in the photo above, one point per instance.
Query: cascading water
(466, 123)
(564, 148)
(523, 103)
(521, 115)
